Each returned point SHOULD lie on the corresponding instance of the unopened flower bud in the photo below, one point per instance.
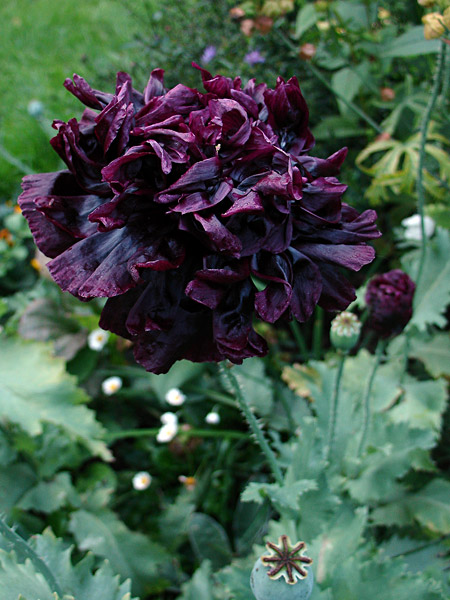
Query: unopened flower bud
(35, 108)
(247, 26)
(389, 297)
(323, 25)
(263, 24)
(387, 94)
(237, 12)
(345, 330)
(307, 51)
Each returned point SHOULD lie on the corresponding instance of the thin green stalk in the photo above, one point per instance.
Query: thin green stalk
(317, 333)
(23, 549)
(437, 78)
(366, 401)
(153, 432)
(446, 76)
(15, 162)
(328, 85)
(334, 407)
(253, 423)
(300, 340)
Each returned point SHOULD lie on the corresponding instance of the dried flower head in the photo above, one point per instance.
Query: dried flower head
(176, 201)
(389, 297)
(287, 560)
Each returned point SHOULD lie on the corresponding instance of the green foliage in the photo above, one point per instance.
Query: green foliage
(433, 294)
(46, 395)
(130, 554)
(21, 577)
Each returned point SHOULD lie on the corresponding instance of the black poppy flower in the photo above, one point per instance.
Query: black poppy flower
(389, 297)
(195, 213)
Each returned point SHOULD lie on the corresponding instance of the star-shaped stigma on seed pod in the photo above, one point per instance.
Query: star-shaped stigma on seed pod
(287, 560)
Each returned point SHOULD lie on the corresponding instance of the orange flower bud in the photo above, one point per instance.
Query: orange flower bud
(387, 94)
(247, 26)
(237, 12)
(307, 51)
(264, 24)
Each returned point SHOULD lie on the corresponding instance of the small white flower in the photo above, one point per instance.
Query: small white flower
(169, 417)
(212, 418)
(413, 230)
(97, 339)
(175, 397)
(142, 480)
(111, 385)
(167, 432)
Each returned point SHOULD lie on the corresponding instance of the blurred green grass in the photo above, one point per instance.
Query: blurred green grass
(41, 43)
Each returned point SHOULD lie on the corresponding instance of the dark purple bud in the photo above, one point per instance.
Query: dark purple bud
(389, 297)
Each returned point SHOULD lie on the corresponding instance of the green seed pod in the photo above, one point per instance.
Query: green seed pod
(282, 575)
(345, 330)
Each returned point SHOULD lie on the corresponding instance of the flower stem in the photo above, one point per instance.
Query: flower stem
(366, 401)
(153, 432)
(15, 162)
(334, 407)
(317, 333)
(24, 550)
(253, 423)
(437, 78)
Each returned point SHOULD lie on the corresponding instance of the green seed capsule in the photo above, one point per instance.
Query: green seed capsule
(345, 330)
(282, 575)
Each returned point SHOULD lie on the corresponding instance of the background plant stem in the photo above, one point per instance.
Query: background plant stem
(334, 406)
(366, 400)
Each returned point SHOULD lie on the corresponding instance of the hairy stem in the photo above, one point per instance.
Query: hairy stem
(23, 549)
(437, 79)
(368, 391)
(253, 423)
(334, 407)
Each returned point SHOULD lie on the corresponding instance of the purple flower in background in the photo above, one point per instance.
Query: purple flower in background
(254, 57)
(208, 54)
(389, 297)
(175, 201)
